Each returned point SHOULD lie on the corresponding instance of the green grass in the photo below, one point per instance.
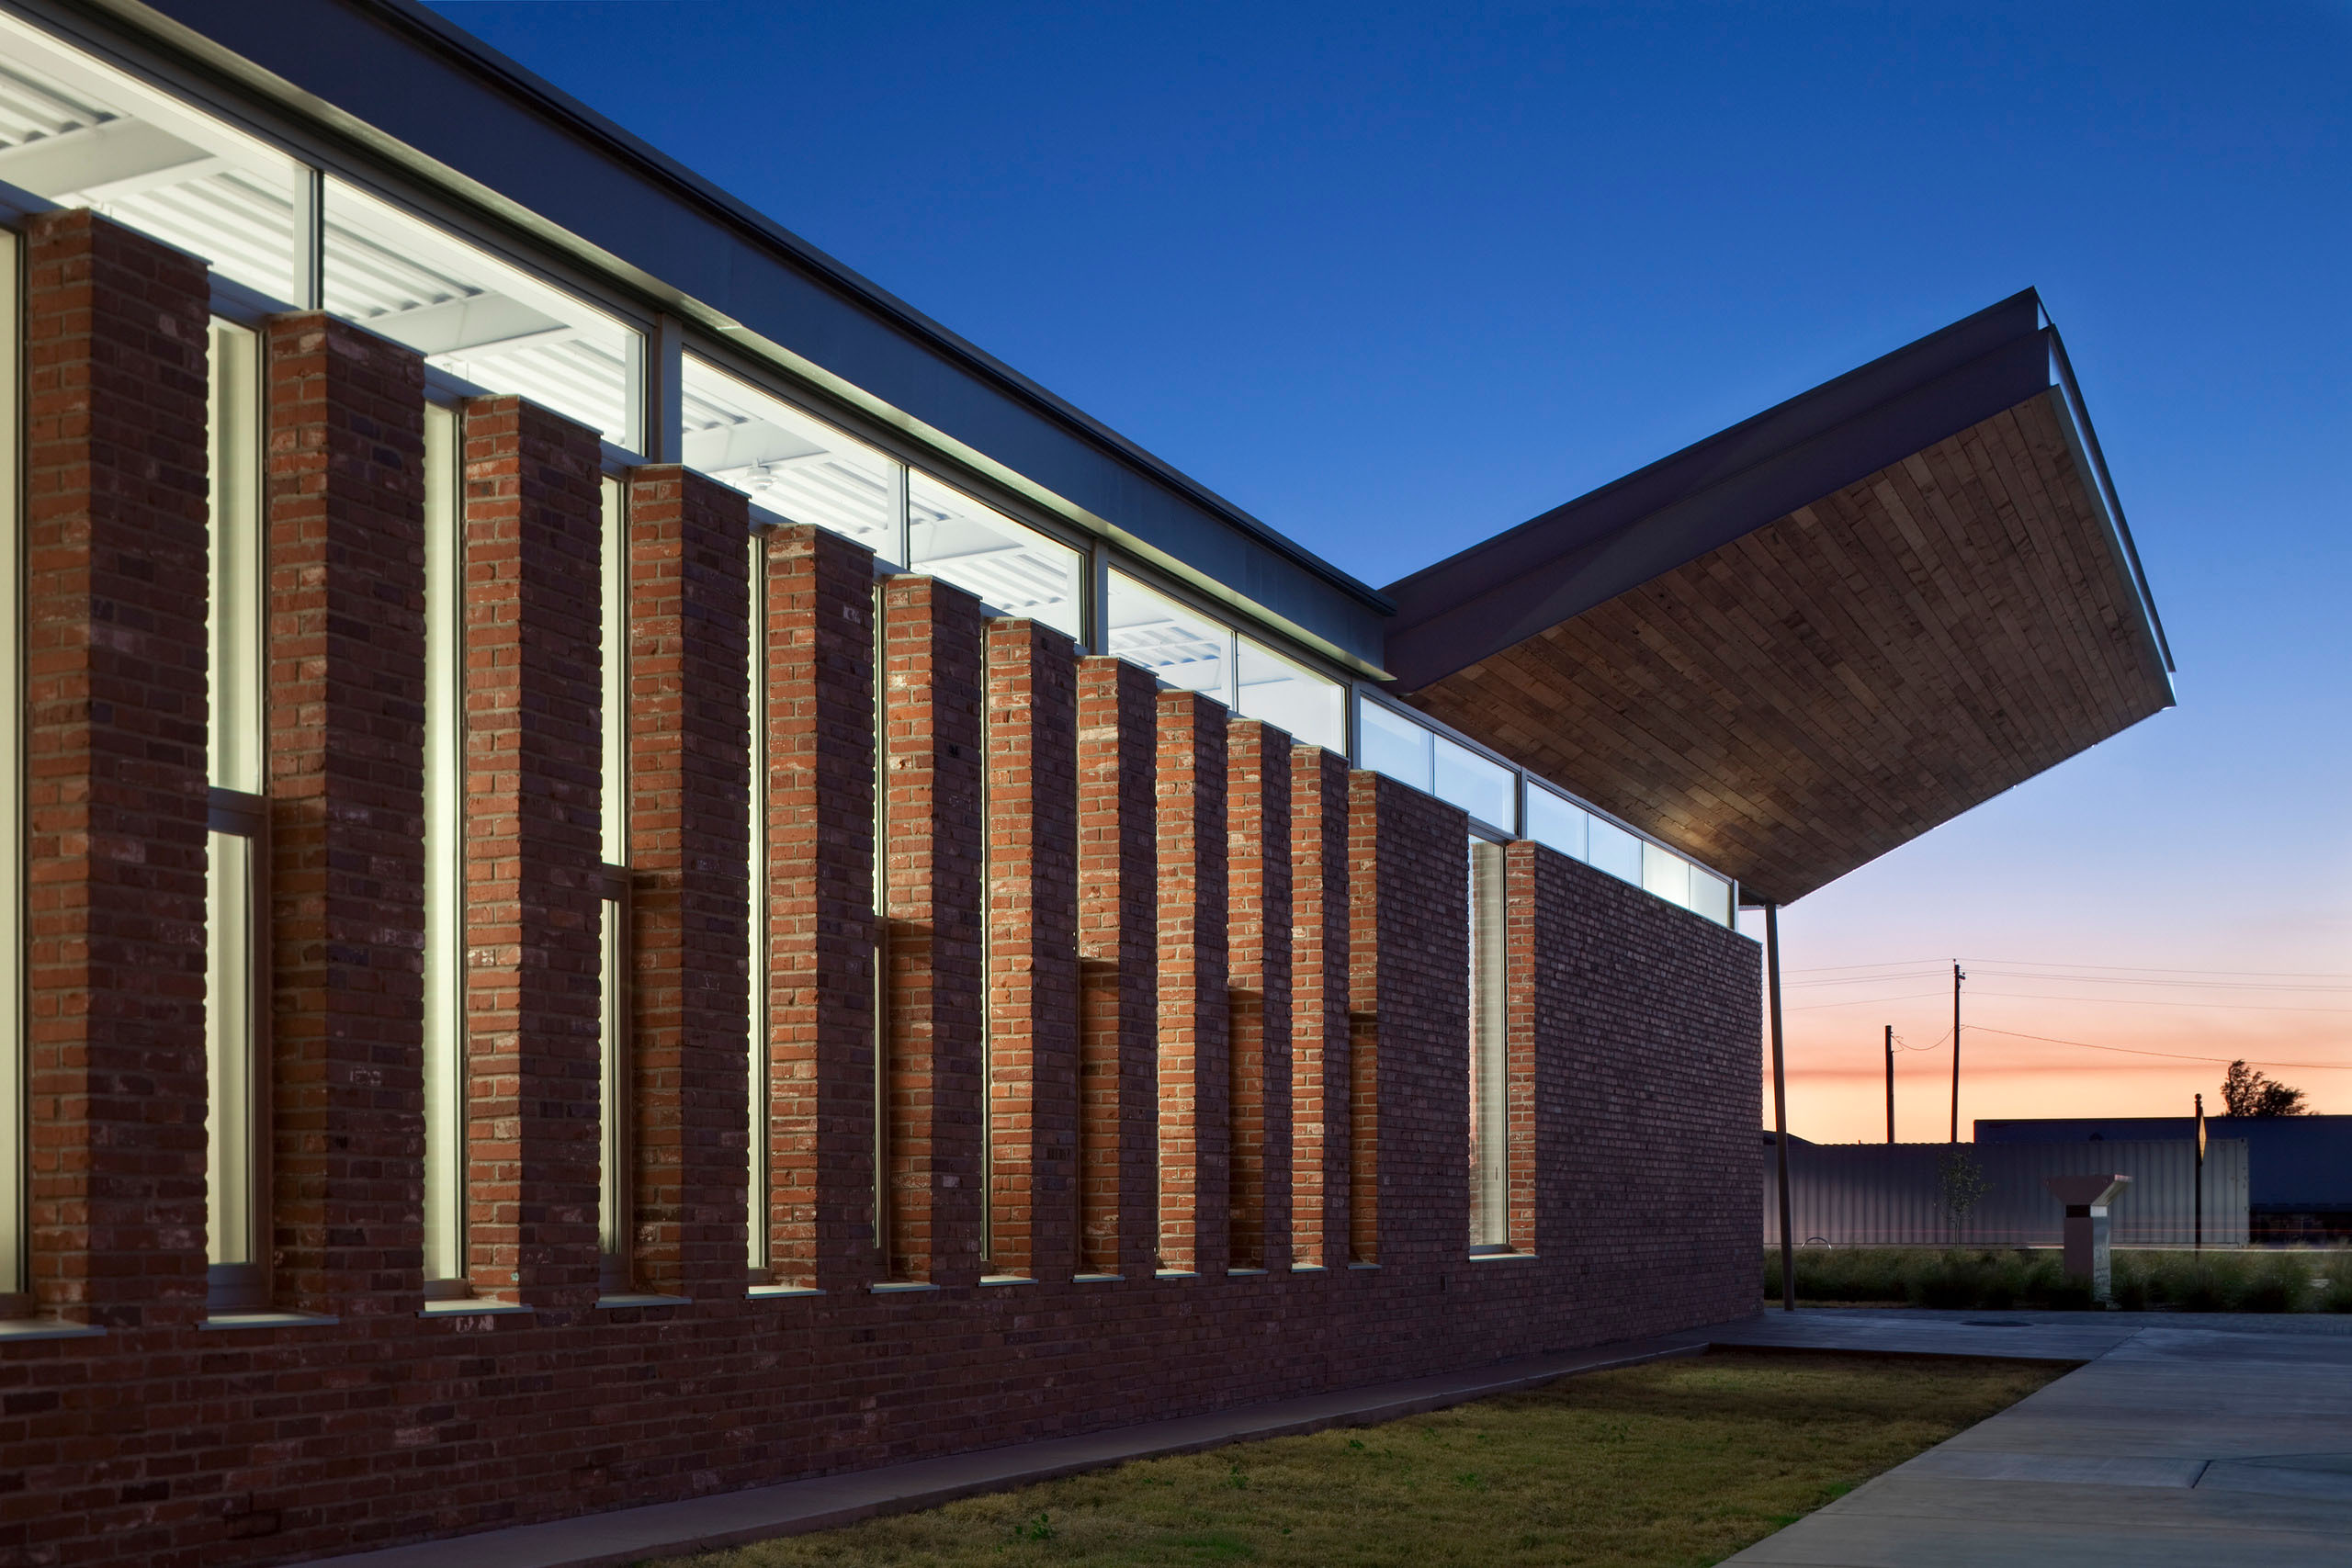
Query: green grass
(2288, 1280)
(1668, 1465)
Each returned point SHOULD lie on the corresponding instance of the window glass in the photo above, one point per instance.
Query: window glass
(228, 1024)
(791, 464)
(1013, 568)
(445, 900)
(1666, 873)
(1181, 646)
(1490, 1055)
(1616, 851)
(232, 627)
(478, 318)
(84, 134)
(1557, 822)
(13, 698)
(1709, 896)
(1484, 789)
(1388, 742)
(1293, 697)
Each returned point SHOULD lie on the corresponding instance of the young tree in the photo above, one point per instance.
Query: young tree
(1960, 1182)
(2249, 1091)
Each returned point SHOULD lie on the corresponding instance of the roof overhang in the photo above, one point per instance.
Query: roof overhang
(1813, 636)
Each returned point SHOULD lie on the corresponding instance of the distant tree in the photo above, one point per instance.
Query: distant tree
(2249, 1091)
(1960, 1182)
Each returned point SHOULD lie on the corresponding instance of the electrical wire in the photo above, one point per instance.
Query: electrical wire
(2173, 1056)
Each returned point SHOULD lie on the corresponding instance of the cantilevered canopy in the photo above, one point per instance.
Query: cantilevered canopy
(1812, 637)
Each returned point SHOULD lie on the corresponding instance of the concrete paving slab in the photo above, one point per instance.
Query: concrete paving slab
(2086, 1469)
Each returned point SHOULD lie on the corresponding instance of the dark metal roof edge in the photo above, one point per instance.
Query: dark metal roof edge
(1440, 638)
(508, 75)
(1524, 547)
(2079, 415)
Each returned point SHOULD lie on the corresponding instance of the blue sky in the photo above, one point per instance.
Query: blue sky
(1393, 278)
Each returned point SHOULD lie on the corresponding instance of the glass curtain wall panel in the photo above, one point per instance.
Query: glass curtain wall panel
(1010, 567)
(1490, 1055)
(1559, 823)
(1182, 646)
(791, 463)
(1616, 851)
(84, 134)
(14, 1160)
(1292, 697)
(614, 1075)
(480, 319)
(1388, 742)
(445, 857)
(1486, 790)
(1667, 874)
(233, 1023)
(1709, 896)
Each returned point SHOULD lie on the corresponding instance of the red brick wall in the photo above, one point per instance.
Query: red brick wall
(345, 505)
(166, 1445)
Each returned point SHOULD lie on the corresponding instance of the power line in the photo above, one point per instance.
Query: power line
(2173, 1056)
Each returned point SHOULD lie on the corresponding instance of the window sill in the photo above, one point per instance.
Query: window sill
(471, 1306)
(269, 1320)
(16, 1328)
(1096, 1278)
(632, 1300)
(1237, 1273)
(1363, 1265)
(777, 1292)
(1006, 1280)
(900, 1287)
(1174, 1274)
(1308, 1269)
(1499, 1256)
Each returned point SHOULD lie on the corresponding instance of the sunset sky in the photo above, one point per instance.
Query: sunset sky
(1393, 278)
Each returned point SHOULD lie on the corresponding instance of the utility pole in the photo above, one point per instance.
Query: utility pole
(1779, 1106)
(2200, 1173)
(1956, 978)
(1890, 1083)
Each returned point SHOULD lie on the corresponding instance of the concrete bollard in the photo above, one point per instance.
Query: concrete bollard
(2086, 1198)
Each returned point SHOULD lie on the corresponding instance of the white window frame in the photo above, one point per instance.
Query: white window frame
(446, 1138)
(15, 1270)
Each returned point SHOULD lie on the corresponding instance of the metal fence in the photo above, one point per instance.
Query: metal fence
(1892, 1193)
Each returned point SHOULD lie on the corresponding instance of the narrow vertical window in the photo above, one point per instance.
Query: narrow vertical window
(444, 861)
(236, 1075)
(887, 1254)
(612, 1076)
(1490, 1057)
(15, 1272)
(757, 1209)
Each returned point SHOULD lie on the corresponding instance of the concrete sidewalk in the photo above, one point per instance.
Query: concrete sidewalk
(2203, 1439)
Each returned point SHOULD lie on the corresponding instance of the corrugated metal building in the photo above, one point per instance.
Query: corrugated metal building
(2299, 1168)
(1848, 1194)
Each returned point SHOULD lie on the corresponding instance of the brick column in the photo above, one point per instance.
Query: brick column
(1118, 747)
(1319, 1013)
(1258, 849)
(1193, 1063)
(345, 682)
(932, 634)
(820, 909)
(1032, 876)
(532, 523)
(1409, 948)
(115, 520)
(688, 805)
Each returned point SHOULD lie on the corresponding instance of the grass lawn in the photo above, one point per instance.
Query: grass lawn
(1675, 1463)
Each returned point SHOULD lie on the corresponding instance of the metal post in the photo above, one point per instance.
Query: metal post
(1780, 1105)
(1890, 1083)
(2200, 1173)
(1956, 978)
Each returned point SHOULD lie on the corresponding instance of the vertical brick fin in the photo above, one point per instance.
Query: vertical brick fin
(1118, 751)
(1033, 1019)
(115, 520)
(935, 685)
(688, 791)
(532, 792)
(1258, 849)
(346, 671)
(820, 718)
(1525, 952)
(1194, 1066)
(1318, 1027)
(1409, 899)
